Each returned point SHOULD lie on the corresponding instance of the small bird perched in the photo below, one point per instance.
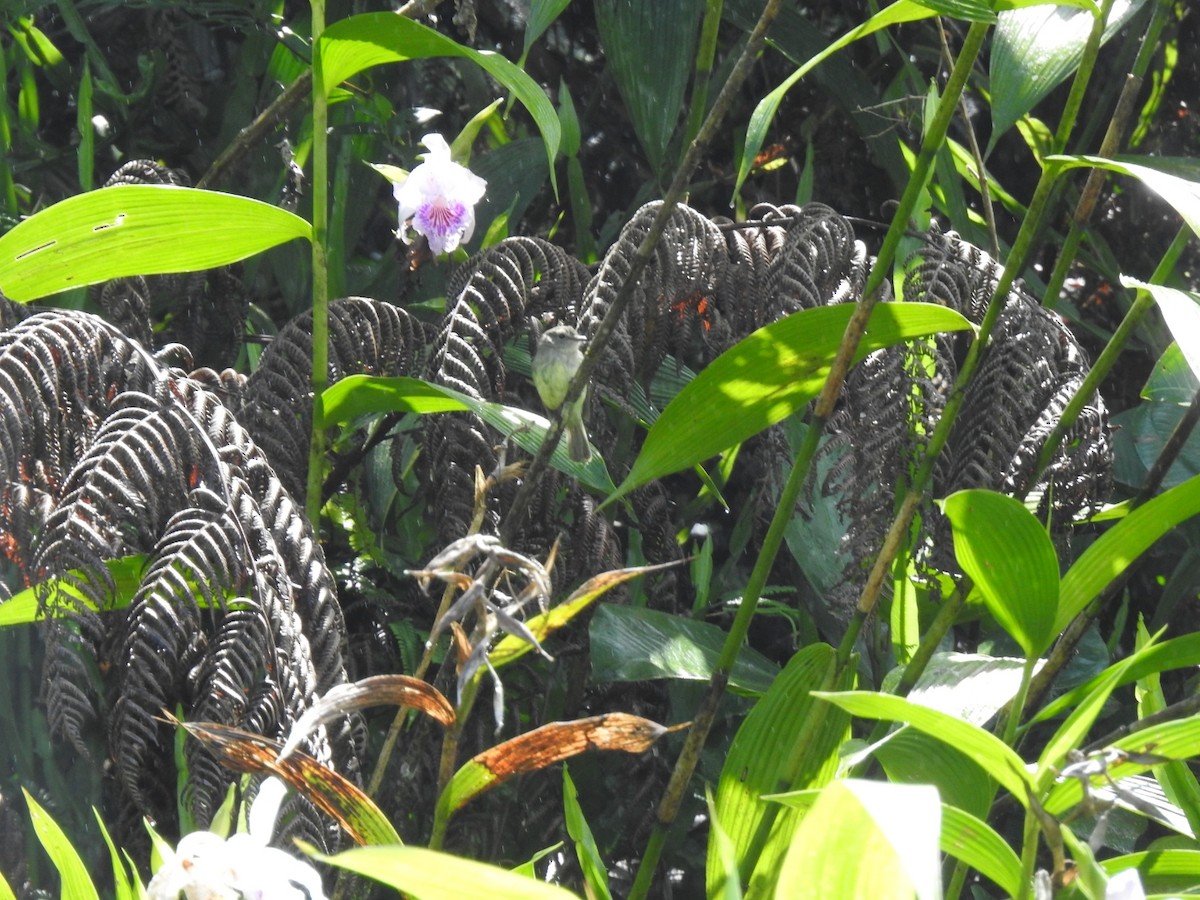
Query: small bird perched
(558, 357)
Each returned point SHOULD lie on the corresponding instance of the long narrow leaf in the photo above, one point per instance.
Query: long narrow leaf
(765, 378)
(76, 882)
(138, 229)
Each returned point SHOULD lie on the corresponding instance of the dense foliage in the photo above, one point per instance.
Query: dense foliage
(879, 579)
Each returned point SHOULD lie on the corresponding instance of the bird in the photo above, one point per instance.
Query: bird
(558, 357)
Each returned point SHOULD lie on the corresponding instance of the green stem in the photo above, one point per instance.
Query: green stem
(1017, 707)
(320, 310)
(705, 54)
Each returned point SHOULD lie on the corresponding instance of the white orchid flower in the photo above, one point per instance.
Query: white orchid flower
(206, 866)
(439, 196)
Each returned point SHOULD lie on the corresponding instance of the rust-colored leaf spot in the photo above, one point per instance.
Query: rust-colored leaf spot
(333, 794)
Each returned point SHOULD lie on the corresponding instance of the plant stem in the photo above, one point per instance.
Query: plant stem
(320, 310)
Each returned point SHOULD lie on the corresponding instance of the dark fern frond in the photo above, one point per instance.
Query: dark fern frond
(365, 337)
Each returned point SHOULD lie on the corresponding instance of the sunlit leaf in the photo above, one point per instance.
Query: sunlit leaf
(546, 746)
(639, 644)
(76, 882)
(138, 229)
(1008, 555)
(1166, 871)
(357, 43)
(787, 742)
(1114, 551)
(996, 757)
(1181, 311)
(333, 794)
(889, 831)
(1181, 193)
(766, 377)
(62, 593)
(511, 647)
(595, 872)
(1035, 49)
(432, 875)
(122, 883)
(359, 395)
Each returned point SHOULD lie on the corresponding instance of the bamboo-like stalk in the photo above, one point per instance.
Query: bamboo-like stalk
(320, 275)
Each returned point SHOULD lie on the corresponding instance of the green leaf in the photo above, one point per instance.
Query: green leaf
(1181, 193)
(650, 48)
(6, 891)
(637, 644)
(137, 230)
(352, 45)
(963, 836)
(766, 377)
(76, 882)
(786, 742)
(1177, 739)
(1141, 435)
(727, 885)
(62, 593)
(1035, 49)
(867, 839)
(1009, 556)
(1162, 871)
(1181, 311)
(595, 873)
(764, 112)
(122, 884)
(542, 14)
(1172, 380)
(431, 875)
(1177, 653)
(360, 395)
(1115, 550)
(996, 757)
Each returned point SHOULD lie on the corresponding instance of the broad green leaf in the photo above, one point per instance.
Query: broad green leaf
(967, 10)
(22, 607)
(432, 875)
(867, 839)
(359, 395)
(788, 741)
(1162, 871)
(1117, 549)
(650, 48)
(968, 686)
(76, 882)
(138, 229)
(1176, 653)
(909, 756)
(727, 885)
(764, 112)
(542, 14)
(352, 45)
(963, 836)
(6, 891)
(637, 644)
(766, 377)
(1035, 49)
(1181, 193)
(1181, 311)
(1141, 435)
(992, 754)
(1177, 739)
(595, 873)
(1009, 556)
(977, 844)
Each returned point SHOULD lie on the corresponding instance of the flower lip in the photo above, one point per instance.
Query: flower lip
(439, 196)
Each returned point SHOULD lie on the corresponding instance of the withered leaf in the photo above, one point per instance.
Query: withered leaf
(547, 745)
(333, 794)
(378, 690)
